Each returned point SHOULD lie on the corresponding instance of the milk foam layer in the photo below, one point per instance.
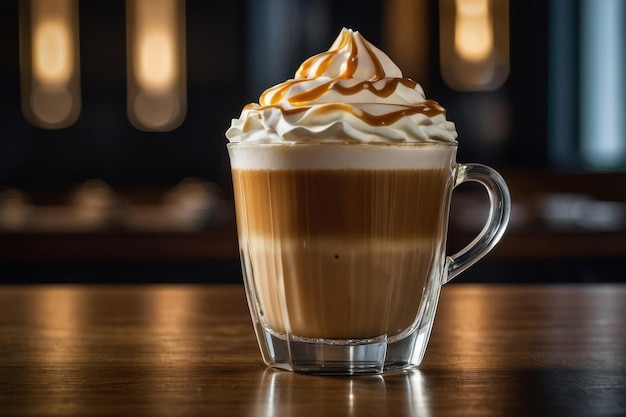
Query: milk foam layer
(351, 93)
(306, 157)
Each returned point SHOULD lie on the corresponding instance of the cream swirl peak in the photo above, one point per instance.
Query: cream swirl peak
(351, 93)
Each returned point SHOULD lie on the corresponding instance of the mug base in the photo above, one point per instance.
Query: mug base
(344, 357)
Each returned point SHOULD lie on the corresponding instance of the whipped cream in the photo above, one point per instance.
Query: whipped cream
(351, 93)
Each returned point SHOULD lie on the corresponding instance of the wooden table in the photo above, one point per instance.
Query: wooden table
(190, 350)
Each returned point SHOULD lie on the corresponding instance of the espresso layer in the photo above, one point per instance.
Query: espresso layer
(351, 204)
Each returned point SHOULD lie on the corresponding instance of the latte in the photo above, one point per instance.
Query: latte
(336, 252)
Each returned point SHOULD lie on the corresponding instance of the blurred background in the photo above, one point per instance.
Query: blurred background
(113, 165)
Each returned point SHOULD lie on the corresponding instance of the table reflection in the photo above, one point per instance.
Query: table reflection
(181, 350)
(393, 394)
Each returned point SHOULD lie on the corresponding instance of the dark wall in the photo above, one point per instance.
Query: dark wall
(103, 143)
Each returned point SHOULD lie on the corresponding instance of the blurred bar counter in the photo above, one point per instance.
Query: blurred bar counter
(573, 224)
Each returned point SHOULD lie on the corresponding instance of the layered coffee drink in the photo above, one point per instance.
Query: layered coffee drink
(342, 179)
(341, 250)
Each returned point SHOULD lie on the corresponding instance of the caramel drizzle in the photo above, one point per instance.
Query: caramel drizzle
(379, 71)
(386, 90)
(281, 90)
(429, 108)
(325, 59)
(353, 58)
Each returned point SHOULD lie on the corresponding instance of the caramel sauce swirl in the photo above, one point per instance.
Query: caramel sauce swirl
(351, 71)
(389, 86)
(345, 53)
(428, 108)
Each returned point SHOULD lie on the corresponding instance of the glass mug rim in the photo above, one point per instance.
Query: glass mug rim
(454, 144)
(342, 156)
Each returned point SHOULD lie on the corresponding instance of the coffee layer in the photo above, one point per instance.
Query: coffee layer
(337, 289)
(341, 253)
(388, 205)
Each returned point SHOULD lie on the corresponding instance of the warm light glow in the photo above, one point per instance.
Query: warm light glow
(52, 57)
(473, 35)
(49, 62)
(474, 43)
(156, 66)
(156, 60)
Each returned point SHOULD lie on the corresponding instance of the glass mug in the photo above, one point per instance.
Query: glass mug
(343, 248)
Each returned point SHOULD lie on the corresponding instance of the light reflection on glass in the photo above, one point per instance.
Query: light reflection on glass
(418, 399)
(397, 393)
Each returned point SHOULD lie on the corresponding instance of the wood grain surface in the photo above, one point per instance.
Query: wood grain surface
(168, 350)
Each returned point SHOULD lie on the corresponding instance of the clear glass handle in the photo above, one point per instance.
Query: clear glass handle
(499, 213)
